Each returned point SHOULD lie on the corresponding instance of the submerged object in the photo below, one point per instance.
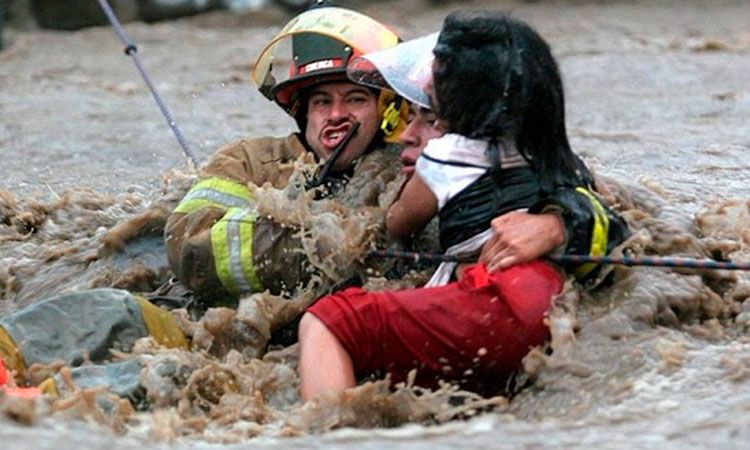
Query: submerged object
(13, 391)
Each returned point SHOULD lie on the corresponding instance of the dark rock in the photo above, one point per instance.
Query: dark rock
(153, 10)
(75, 14)
(2, 19)
(19, 14)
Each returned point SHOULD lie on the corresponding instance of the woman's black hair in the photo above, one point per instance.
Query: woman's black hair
(495, 79)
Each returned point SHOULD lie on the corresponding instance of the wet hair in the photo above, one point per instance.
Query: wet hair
(495, 79)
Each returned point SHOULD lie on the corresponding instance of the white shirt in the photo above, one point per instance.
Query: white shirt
(450, 164)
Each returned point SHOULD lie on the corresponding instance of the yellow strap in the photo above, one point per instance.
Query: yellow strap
(394, 120)
(49, 387)
(12, 356)
(600, 233)
(161, 325)
(216, 192)
(232, 245)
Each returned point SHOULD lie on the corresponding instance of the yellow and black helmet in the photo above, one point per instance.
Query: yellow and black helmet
(323, 41)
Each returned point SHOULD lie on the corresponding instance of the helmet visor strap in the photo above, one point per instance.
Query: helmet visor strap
(323, 175)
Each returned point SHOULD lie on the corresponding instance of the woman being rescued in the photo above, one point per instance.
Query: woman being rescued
(498, 96)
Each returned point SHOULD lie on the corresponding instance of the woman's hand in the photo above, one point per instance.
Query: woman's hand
(521, 237)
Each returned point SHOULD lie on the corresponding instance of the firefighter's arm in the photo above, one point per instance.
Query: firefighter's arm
(209, 239)
(591, 227)
(204, 233)
(212, 237)
(520, 237)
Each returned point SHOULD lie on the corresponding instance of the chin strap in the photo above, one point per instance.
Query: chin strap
(323, 175)
(394, 111)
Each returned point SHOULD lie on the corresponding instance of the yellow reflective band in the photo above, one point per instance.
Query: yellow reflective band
(216, 192)
(186, 207)
(161, 325)
(11, 355)
(600, 233)
(220, 247)
(232, 244)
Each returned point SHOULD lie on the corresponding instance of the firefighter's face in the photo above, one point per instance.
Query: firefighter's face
(332, 111)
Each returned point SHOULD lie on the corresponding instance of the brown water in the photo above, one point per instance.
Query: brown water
(658, 101)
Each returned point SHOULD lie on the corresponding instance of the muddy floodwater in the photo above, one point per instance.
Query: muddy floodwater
(658, 103)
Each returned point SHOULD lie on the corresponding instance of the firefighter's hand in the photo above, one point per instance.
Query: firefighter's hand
(520, 237)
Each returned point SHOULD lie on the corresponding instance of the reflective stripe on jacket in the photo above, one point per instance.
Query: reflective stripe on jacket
(232, 235)
(221, 249)
(232, 244)
(216, 192)
(209, 236)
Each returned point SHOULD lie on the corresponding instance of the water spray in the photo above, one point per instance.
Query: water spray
(651, 261)
(132, 51)
(435, 258)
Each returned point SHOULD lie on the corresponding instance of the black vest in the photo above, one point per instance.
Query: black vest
(471, 211)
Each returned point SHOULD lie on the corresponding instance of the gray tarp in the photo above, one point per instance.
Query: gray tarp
(67, 327)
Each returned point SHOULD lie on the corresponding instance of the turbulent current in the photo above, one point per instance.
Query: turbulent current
(658, 103)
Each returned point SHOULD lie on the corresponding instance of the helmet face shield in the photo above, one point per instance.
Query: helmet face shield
(350, 33)
(405, 69)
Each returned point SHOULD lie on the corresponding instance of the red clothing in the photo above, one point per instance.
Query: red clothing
(473, 332)
(3, 373)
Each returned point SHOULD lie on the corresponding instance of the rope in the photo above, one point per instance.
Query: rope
(651, 261)
(435, 258)
(132, 51)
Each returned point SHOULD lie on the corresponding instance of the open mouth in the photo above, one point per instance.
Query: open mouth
(331, 137)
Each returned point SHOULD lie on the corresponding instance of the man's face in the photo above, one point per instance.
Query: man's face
(332, 111)
(423, 126)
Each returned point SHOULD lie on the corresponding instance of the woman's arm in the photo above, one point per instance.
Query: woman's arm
(414, 208)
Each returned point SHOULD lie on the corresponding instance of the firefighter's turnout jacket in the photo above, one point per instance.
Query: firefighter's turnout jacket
(220, 246)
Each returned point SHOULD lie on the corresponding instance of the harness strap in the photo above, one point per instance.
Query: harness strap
(600, 233)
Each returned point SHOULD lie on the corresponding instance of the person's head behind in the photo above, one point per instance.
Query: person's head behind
(315, 90)
(404, 69)
(495, 78)
(423, 125)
